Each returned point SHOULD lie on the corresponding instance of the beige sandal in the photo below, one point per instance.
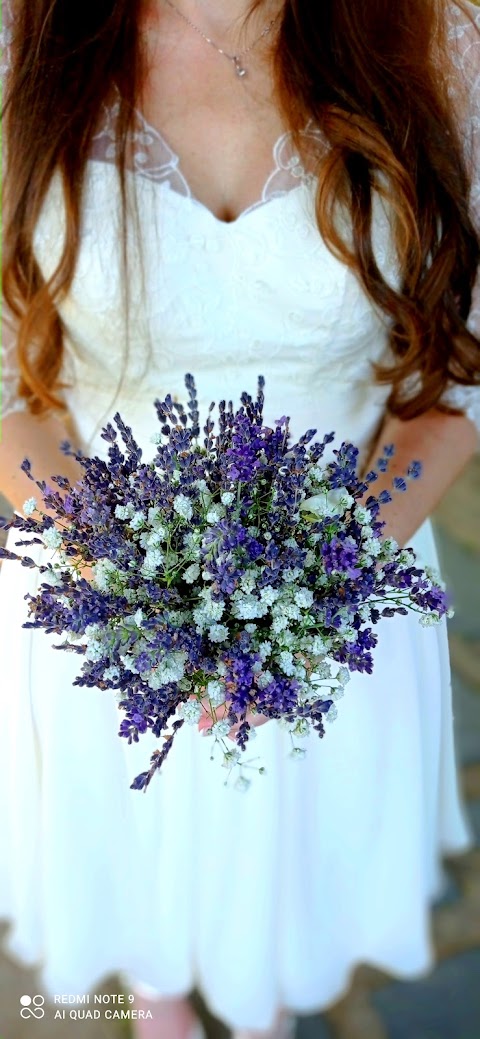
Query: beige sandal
(284, 1029)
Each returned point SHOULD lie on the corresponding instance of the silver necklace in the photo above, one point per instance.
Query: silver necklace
(236, 59)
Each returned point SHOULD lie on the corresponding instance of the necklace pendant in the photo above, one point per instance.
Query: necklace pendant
(239, 69)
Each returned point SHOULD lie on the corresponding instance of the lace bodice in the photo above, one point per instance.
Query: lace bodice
(261, 294)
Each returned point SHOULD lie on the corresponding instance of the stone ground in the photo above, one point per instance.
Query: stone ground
(446, 1004)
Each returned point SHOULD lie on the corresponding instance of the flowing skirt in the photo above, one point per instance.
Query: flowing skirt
(260, 899)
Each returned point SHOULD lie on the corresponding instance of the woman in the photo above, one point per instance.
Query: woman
(343, 270)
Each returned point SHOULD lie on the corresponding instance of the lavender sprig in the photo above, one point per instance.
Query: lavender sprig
(238, 575)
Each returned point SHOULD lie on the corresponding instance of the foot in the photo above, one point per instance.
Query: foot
(170, 1019)
(284, 1028)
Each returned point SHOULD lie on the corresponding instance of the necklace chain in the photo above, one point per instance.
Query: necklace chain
(238, 64)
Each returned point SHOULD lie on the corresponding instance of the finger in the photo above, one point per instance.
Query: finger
(254, 720)
(206, 721)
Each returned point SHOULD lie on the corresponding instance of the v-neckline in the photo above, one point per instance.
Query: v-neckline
(167, 167)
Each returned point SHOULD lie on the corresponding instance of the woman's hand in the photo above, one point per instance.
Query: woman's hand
(206, 721)
(38, 439)
(443, 444)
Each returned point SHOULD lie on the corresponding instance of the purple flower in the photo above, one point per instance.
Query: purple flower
(207, 571)
(341, 556)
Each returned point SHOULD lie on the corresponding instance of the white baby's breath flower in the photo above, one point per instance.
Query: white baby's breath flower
(322, 672)
(291, 574)
(29, 506)
(124, 511)
(373, 546)
(183, 506)
(435, 577)
(215, 514)
(269, 595)
(221, 729)
(301, 727)
(306, 694)
(156, 438)
(330, 503)
(343, 675)
(406, 557)
(155, 519)
(94, 650)
(363, 515)
(153, 560)
(227, 498)
(218, 633)
(104, 574)
(264, 679)
(190, 711)
(279, 624)
(192, 538)
(129, 663)
(216, 692)
(152, 538)
(264, 649)
(247, 607)
(176, 476)
(331, 714)
(52, 537)
(210, 610)
(390, 545)
(138, 520)
(288, 640)
(317, 473)
(286, 662)
(298, 753)
(111, 674)
(191, 573)
(51, 577)
(247, 583)
(428, 620)
(242, 784)
(170, 669)
(231, 758)
(304, 598)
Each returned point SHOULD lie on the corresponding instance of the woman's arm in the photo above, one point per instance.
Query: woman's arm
(443, 444)
(38, 439)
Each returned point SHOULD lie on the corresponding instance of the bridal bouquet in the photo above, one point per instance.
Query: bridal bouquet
(236, 573)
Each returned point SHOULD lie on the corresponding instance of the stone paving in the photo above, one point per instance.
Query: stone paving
(446, 1004)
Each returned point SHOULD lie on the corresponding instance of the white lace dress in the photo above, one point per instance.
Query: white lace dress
(269, 898)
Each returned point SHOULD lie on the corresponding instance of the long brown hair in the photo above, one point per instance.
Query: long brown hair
(372, 76)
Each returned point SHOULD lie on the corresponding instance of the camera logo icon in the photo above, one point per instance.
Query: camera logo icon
(32, 1006)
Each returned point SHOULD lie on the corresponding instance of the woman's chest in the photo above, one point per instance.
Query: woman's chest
(198, 292)
(223, 126)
